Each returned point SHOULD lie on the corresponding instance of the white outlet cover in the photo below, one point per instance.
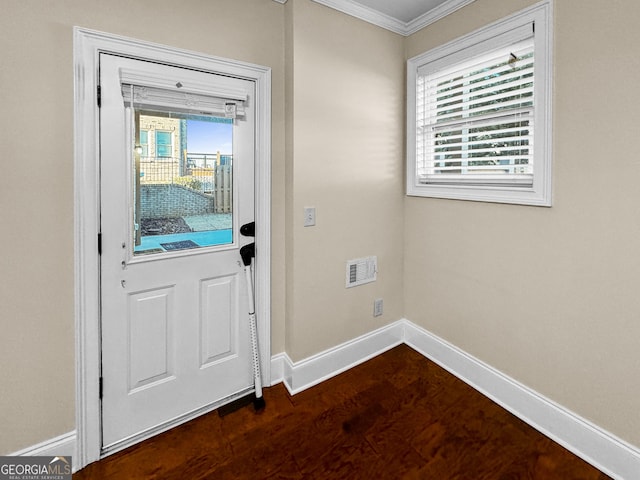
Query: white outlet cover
(378, 307)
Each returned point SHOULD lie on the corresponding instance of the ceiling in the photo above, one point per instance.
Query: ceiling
(401, 16)
(403, 10)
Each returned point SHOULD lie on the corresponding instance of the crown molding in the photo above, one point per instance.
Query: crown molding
(355, 9)
(365, 13)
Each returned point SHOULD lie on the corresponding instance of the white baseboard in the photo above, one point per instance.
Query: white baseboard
(591, 443)
(277, 367)
(61, 446)
(306, 373)
(600, 448)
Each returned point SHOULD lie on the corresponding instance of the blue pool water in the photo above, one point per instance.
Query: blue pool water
(202, 239)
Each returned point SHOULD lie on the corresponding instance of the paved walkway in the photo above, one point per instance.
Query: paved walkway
(212, 221)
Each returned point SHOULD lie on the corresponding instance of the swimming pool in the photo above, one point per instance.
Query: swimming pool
(154, 243)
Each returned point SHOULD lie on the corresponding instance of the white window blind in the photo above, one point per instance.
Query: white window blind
(175, 100)
(479, 113)
(180, 95)
(474, 119)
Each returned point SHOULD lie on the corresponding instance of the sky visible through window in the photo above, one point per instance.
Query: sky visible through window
(209, 137)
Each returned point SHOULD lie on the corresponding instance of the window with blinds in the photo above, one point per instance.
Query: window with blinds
(475, 120)
(479, 114)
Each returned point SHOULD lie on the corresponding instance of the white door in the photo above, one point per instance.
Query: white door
(177, 182)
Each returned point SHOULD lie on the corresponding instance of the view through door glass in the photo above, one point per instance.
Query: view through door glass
(183, 181)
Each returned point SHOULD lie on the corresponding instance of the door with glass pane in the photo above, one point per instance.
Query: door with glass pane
(177, 182)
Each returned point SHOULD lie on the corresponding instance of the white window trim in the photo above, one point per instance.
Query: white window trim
(540, 192)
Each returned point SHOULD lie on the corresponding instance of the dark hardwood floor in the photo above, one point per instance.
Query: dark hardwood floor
(396, 416)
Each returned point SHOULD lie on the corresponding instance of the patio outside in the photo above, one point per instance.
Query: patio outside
(183, 183)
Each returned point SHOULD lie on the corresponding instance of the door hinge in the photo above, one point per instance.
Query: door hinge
(99, 243)
(99, 96)
(100, 388)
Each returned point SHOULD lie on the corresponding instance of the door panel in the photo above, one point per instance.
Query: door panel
(218, 316)
(175, 337)
(151, 341)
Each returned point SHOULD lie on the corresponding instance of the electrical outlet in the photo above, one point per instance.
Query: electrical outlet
(377, 307)
(309, 216)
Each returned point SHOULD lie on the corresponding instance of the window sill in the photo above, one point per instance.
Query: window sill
(538, 195)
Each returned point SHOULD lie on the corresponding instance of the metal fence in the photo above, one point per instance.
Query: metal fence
(210, 175)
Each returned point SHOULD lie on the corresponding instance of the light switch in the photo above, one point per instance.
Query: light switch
(309, 216)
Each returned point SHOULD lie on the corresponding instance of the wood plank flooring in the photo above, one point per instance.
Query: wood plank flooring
(397, 416)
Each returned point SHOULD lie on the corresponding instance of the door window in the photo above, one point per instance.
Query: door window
(183, 189)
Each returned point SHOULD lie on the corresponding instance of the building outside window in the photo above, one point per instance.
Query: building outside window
(144, 143)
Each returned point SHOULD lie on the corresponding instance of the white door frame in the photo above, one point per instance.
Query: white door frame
(87, 46)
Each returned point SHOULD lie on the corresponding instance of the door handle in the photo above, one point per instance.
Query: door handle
(248, 229)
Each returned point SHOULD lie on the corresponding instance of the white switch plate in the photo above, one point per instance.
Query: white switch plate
(309, 216)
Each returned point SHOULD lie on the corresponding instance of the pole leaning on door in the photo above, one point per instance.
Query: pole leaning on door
(248, 252)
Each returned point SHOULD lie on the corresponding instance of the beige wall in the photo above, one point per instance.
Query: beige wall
(344, 156)
(37, 369)
(345, 121)
(549, 295)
